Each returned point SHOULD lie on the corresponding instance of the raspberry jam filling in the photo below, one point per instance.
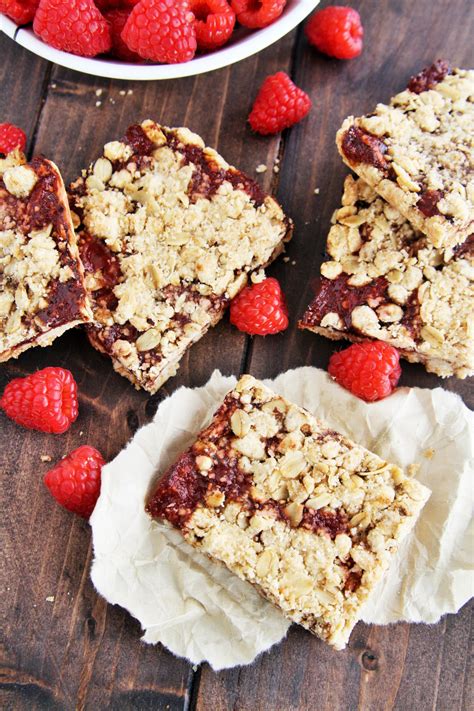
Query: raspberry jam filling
(96, 256)
(429, 77)
(184, 487)
(64, 301)
(207, 177)
(360, 146)
(428, 202)
(337, 296)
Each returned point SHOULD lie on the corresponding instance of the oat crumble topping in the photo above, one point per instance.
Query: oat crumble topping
(298, 510)
(168, 233)
(42, 291)
(385, 280)
(418, 153)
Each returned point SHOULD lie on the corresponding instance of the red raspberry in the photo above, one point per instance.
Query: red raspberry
(75, 481)
(44, 401)
(260, 309)
(20, 11)
(370, 370)
(162, 31)
(74, 26)
(279, 104)
(11, 137)
(117, 20)
(257, 13)
(214, 22)
(336, 31)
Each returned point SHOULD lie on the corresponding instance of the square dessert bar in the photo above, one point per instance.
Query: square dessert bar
(385, 280)
(42, 283)
(293, 507)
(417, 152)
(168, 234)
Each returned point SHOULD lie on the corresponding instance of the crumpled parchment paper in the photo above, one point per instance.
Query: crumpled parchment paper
(201, 611)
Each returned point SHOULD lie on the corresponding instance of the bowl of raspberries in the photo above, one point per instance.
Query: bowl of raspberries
(149, 39)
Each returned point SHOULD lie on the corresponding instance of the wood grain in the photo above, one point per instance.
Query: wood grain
(76, 651)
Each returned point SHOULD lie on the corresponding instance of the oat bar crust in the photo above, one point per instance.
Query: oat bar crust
(418, 153)
(168, 233)
(42, 283)
(308, 517)
(385, 280)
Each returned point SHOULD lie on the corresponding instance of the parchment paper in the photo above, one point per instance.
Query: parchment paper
(198, 609)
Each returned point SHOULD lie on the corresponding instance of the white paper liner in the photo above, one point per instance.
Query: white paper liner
(201, 611)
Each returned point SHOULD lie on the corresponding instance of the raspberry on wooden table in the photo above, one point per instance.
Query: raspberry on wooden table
(117, 19)
(20, 11)
(162, 31)
(214, 22)
(279, 104)
(336, 31)
(75, 480)
(11, 137)
(370, 370)
(260, 309)
(44, 401)
(75, 26)
(257, 13)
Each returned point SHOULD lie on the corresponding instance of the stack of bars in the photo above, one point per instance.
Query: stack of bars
(400, 264)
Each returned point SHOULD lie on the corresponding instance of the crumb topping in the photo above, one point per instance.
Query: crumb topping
(385, 280)
(417, 152)
(40, 277)
(288, 504)
(178, 230)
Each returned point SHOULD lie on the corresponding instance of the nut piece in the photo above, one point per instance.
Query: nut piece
(267, 563)
(20, 180)
(317, 502)
(240, 423)
(103, 169)
(292, 464)
(294, 512)
(148, 340)
(204, 463)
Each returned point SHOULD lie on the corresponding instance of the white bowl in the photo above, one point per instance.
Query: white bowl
(243, 44)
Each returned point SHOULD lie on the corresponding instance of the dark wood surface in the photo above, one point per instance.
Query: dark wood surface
(76, 651)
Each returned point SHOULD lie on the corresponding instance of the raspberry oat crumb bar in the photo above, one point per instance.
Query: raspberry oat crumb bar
(417, 152)
(168, 233)
(385, 280)
(42, 286)
(298, 510)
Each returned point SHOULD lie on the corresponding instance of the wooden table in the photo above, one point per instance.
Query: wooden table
(65, 647)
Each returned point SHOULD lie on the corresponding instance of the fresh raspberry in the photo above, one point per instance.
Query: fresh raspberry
(20, 11)
(44, 401)
(214, 22)
(117, 20)
(74, 26)
(257, 13)
(75, 481)
(162, 31)
(336, 31)
(260, 309)
(279, 104)
(370, 370)
(11, 137)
